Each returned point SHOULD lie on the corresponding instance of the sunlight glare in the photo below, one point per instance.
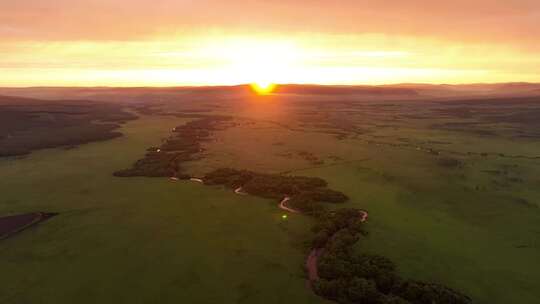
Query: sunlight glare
(263, 88)
(261, 63)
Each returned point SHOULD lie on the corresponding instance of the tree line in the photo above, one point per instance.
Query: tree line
(347, 277)
(181, 146)
(344, 276)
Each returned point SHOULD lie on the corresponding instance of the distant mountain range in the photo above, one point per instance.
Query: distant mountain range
(405, 91)
(478, 88)
(344, 90)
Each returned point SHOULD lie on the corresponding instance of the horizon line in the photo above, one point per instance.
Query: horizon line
(279, 84)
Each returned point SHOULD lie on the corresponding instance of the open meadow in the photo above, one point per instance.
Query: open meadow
(452, 189)
(141, 240)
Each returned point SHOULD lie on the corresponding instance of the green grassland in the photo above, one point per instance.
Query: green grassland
(473, 227)
(142, 240)
(471, 223)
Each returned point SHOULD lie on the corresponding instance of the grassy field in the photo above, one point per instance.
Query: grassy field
(470, 223)
(473, 227)
(482, 244)
(142, 240)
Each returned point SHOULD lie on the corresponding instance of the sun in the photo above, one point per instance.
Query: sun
(259, 62)
(263, 88)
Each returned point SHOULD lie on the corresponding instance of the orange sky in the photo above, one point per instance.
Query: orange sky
(167, 42)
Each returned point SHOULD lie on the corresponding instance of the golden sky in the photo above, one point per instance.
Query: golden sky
(209, 42)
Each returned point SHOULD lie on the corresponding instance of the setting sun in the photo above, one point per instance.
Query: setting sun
(263, 88)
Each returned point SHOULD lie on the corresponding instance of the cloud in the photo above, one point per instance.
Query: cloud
(480, 20)
(183, 41)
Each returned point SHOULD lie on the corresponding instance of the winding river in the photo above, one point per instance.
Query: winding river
(315, 254)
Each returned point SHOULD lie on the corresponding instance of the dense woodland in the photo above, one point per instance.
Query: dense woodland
(28, 124)
(305, 192)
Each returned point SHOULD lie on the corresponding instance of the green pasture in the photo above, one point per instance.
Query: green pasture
(142, 240)
(474, 227)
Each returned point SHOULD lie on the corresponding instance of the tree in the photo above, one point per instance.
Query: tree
(392, 299)
(363, 291)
